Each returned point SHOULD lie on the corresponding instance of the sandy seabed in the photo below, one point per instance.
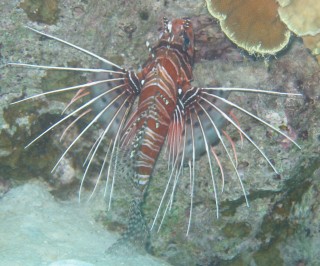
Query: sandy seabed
(36, 229)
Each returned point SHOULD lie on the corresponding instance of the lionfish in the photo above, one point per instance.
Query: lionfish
(141, 112)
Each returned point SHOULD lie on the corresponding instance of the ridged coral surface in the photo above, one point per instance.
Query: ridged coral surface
(253, 25)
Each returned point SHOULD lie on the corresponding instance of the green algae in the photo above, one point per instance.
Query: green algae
(277, 224)
(61, 79)
(44, 11)
(5, 143)
(29, 120)
(238, 230)
(268, 256)
(44, 150)
(277, 221)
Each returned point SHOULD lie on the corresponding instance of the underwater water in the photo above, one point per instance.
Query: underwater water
(42, 221)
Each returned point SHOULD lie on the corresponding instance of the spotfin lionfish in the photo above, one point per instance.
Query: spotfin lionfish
(141, 112)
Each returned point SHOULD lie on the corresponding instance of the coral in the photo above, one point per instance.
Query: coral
(313, 43)
(254, 25)
(264, 26)
(283, 2)
(301, 16)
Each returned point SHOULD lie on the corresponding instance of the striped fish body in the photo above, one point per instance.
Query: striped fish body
(167, 72)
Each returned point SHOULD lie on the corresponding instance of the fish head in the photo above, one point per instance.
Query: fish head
(179, 33)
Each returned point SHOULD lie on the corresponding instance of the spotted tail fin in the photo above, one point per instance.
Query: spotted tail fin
(136, 237)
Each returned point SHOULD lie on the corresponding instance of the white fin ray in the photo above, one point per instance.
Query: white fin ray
(95, 70)
(95, 119)
(255, 117)
(76, 47)
(164, 194)
(72, 113)
(254, 91)
(100, 140)
(228, 153)
(244, 133)
(115, 146)
(101, 170)
(67, 89)
(192, 175)
(215, 192)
